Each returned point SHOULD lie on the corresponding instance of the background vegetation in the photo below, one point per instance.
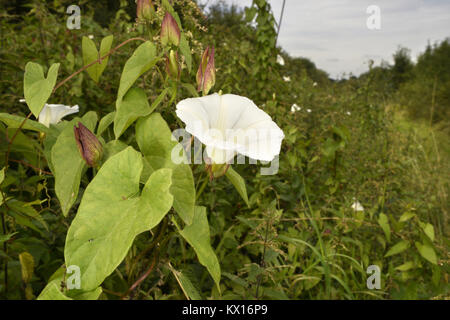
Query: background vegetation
(380, 139)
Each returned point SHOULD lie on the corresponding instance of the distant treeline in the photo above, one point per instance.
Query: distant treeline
(424, 86)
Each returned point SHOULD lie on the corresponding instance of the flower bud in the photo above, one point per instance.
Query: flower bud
(170, 32)
(215, 170)
(144, 9)
(206, 74)
(90, 147)
(173, 68)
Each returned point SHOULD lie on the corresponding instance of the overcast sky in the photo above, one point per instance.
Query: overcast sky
(335, 36)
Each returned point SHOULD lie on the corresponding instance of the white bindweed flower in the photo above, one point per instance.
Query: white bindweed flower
(230, 124)
(349, 113)
(286, 78)
(295, 108)
(53, 113)
(91, 36)
(308, 110)
(315, 84)
(357, 206)
(280, 60)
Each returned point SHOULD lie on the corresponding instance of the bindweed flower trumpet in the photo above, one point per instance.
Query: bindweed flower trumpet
(144, 9)
(170, 32)
(229, 125)
(53, 113)
(90, 147)
(206, 74)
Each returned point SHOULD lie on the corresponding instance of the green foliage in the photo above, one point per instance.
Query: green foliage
(112, 214)
(142, 226)
(67, 163)
(37, 88)
(197, 235)
(91, 54)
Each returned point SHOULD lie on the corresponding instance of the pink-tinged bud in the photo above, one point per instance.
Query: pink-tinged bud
(144, 9)
(216, 170)
(173, 68)
(170, 32)
(206, 74)
(91, 150)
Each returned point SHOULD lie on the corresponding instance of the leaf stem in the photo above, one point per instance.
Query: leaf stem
(99, 60)
(202, 187)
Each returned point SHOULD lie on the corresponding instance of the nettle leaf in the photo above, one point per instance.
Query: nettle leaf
(143, 58)
(25, 209)
(384, 224)
(111, 214)
(238, 182)
(406, 266)
(197, 235)
(134, 105)
(428, 229)
(186, 282)
(6, 237)
(13, 121)
(427, 252)
(36, 88)
(68, 165)
(90, 54)
(27, 266)
(397, 248)
(156, 144)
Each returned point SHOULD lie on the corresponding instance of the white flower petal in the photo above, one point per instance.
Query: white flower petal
(229, 124)
(53, 113)
(280, 60)
(357, 206)
(295, 108)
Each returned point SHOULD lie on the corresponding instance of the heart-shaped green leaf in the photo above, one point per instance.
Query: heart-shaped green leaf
(154, 138)
(36, 88)
(68, 165)
(90, 54)
(112, 214)
(143, 58)
(134, 105)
